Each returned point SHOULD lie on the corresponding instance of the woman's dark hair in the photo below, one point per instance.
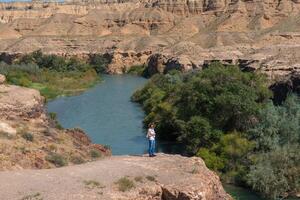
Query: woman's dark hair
(150, 125)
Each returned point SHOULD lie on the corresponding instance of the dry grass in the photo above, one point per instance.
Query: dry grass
(92, 184)
(125, 184)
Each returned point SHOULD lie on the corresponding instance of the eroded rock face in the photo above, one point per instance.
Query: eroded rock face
(28, 136)
(265, 33)
(156, 63)
(122, 61)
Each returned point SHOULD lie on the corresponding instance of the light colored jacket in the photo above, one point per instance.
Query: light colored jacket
(151, 134)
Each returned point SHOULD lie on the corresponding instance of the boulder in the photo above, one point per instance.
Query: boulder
(156, 64)
(160, 63)
(181, 63)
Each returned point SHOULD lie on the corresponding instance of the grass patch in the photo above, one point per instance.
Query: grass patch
(57, 159)
(36, 196)
(151, 178)
(92, 184)
(125, 184)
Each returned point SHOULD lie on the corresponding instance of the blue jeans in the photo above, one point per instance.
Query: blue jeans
(151, 147)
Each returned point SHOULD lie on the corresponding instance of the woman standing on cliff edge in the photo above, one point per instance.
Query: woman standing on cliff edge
(151, 138)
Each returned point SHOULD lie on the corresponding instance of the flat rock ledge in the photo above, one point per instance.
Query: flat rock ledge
(166, 177)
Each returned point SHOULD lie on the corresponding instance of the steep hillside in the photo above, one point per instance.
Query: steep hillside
(261, 34)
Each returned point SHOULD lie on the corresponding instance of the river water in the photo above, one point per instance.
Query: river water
(107, 115)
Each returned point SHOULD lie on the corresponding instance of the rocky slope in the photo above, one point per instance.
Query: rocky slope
(30, 139)
(166, 177)
(256, 34)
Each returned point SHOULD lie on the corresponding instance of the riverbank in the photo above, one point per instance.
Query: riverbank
(53, 75)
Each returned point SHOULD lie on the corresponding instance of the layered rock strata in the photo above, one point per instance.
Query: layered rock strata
(260, 34)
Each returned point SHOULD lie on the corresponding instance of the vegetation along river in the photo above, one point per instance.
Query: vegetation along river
(106, 113)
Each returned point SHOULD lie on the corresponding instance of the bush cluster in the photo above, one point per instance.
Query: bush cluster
(52, 75)
(57, 159)
(225, 116)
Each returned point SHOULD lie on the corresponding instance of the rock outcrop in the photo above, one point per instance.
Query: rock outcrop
(285, 85)
(31, 139)
(264, 33)
(165, 177)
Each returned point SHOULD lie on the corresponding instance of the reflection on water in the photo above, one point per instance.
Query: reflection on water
(239, 193)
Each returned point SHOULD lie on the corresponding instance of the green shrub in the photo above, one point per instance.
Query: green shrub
(77, 160)
(137, 70)
(57, 159)
(125, 184)
(99, 63)
(212, 161)
(28, 136)
(52, 115)
(95, 153)
(277, 172)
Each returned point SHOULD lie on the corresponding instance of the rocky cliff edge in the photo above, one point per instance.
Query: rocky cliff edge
(29, 138)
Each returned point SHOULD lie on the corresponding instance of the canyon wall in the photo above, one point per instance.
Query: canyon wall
(257, 34)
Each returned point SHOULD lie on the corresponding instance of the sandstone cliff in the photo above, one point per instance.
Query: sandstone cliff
(165, 177)
(259, 34)
(30, 139)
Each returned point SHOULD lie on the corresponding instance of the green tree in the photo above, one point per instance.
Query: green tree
(277, 125)
(276, 173)
(199, 133)
(229, 98)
